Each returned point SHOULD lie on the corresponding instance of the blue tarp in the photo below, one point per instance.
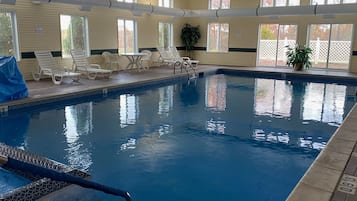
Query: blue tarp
(12, 84)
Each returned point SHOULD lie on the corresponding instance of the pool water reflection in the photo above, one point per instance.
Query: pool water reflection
(236, 137)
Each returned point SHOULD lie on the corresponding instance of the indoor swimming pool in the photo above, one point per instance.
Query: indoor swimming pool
(222, 136)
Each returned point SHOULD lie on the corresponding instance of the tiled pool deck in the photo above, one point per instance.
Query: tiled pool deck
(333, 175)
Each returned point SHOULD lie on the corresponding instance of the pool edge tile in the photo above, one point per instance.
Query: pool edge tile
(327, 159)
(305, 192)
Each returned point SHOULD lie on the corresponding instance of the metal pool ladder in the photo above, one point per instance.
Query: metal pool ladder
(190, 70)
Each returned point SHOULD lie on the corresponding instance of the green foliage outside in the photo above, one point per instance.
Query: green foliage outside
(73, 36)
(6, 42)
(267, 34)
(164, 40)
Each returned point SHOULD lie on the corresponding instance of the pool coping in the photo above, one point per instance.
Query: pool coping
(331, 177)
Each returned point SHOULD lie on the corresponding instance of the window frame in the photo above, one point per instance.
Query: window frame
(328, 61)
(85, 35)
(276, 51)
(209, 36)
(135, 35)
(220, 5)
(134, 1)
(14, 34)
(287, 4)
(326, 2)
(161, 3)
(171, 34)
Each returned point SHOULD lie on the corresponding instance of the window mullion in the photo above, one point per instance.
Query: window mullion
(72, 42)
(218, 38)
(15, 36)
(329, 47)
(277, 45)
(124, 35)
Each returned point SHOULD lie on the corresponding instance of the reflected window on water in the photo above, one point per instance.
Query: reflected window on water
(216, 93)
(166, 102)
(79, 122)
(324, 103)
(273, 98)
(129, 110)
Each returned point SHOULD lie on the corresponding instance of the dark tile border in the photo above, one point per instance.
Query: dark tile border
(99, 52)
(242, 50)
(31, 55)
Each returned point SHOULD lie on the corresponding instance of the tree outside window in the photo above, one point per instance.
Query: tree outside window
(73, 34)
(217, 40)
(8, 37)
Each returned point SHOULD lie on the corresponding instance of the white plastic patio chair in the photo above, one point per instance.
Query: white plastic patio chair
(81, 65)
(48, 66)
(146, 60)
(111, 60)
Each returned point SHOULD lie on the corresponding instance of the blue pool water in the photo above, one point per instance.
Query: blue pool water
(222, 138)
(10, 181)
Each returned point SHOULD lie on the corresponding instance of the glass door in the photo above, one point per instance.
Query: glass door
(331, 45)
(272, 41)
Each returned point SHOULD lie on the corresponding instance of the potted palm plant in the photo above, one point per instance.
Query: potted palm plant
(298, 57)
(190, 35)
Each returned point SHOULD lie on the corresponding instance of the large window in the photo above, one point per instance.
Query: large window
(323, 2)
(219, 4)
(331, 45)
(272, 41)
(165, 34)
(277, 3)
(217, 39)
(128, 1)
(127, 36)
(73, 34)
(166, 3)
(8, 35)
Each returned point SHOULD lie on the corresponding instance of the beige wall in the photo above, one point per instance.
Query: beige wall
(39, 29)
(244, 32)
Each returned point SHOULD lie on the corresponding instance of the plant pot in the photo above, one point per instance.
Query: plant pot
(298, 66)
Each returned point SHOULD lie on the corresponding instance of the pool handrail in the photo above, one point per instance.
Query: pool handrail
(60, 176)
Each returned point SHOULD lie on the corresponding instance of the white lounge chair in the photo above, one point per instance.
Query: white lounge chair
(176, 54)
(166, 57)
(48, 66)
(172, 58)
(81, 65)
